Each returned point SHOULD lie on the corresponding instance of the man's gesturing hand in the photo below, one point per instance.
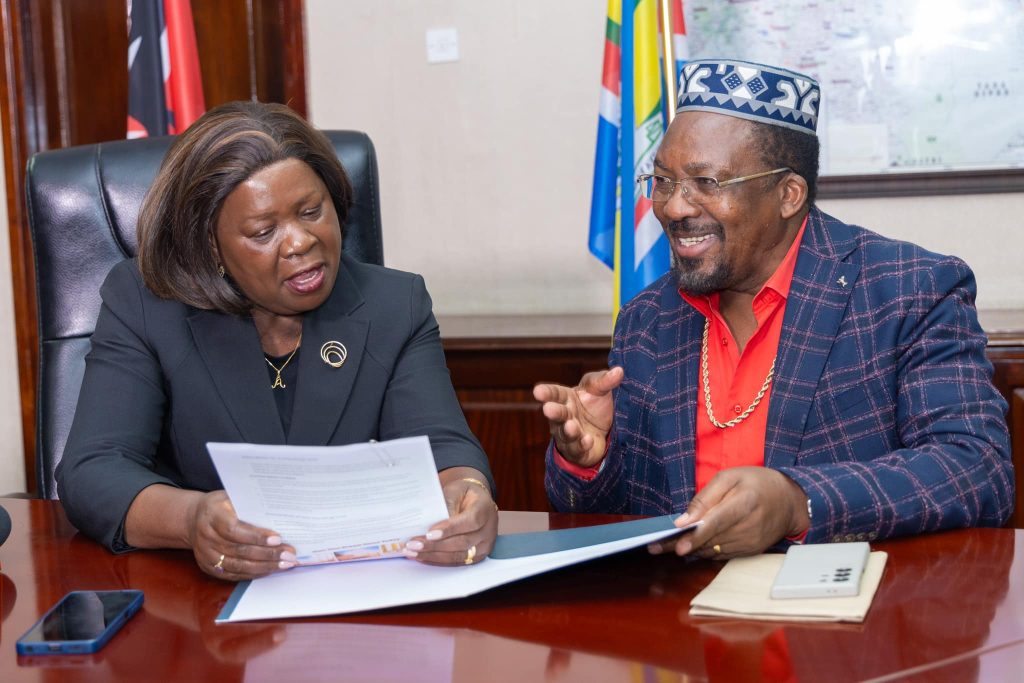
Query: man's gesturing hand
(580, 417)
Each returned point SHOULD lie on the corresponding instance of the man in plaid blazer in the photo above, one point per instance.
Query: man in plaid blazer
(881, 417)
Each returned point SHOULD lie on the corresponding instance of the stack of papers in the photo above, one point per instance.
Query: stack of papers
(741, 590)
(335, 503)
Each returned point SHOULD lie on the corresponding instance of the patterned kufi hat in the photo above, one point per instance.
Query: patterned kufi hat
(751, 91)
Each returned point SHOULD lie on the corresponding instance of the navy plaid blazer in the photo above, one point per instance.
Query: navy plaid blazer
(882, 406)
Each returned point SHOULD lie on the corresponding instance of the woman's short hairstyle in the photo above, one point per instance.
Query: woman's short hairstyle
(221, 150)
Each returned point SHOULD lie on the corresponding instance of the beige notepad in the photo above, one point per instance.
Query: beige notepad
(741, 590)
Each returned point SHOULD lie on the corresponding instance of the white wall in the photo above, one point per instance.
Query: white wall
(486, 162)
(12, 464)
(984, 230)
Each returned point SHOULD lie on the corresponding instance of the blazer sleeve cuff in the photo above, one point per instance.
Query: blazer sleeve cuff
(584, 473)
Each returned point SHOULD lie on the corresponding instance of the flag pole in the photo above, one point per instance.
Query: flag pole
(668, 60)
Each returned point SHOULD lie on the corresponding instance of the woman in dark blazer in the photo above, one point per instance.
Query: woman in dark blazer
(242, 321)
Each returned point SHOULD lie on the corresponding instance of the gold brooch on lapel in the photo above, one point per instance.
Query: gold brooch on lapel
(333, 353)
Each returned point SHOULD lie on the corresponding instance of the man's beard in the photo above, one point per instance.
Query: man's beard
(689, 276)
(697, 283)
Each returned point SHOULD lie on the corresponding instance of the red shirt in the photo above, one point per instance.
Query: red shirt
(734, 379)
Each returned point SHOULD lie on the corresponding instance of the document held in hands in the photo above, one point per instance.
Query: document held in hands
(335, 503)
(361, 586)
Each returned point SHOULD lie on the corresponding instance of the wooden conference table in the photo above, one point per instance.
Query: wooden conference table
(950, 607)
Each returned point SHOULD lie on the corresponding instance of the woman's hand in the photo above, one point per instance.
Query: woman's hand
(228, 548)
(467, 536)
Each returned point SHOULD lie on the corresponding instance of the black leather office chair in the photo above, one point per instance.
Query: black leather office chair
(83, 204)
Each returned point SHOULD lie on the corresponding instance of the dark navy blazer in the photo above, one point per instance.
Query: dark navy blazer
(882, 406)
(162, 379)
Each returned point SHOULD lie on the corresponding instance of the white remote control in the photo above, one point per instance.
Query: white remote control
(821, 571)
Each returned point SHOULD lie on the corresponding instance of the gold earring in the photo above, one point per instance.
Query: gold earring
(220, 270)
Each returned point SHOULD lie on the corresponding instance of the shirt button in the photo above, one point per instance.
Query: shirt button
(737, 409)
(725, 342)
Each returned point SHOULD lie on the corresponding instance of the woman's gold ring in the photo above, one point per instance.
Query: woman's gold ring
(220, 564)
(470, 554)
(717, 549)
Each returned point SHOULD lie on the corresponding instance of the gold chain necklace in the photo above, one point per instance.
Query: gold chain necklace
(707, 385)
(278, 384)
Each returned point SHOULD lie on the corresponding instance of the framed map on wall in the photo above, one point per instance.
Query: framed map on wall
(918, 96)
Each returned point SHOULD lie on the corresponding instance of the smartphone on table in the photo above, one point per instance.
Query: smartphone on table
(821, 571)
(82, 622)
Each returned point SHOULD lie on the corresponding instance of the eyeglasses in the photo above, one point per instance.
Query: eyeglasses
(696, 189)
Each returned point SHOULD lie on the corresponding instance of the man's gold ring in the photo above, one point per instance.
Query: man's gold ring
(220, 564)
(718, 549)
(470, 554)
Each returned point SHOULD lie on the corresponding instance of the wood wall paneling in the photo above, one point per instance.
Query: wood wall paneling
(93, 42)
(494, 381)
(252, 49)
(64, 82)
(22, 131)
(224, 39)
(514, 435)
(278, 39)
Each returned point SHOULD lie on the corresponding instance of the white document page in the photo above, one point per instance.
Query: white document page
(316, 591)
(335, 503)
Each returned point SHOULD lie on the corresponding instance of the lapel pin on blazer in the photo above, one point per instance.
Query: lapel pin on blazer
(333, 353)
(841, 281)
